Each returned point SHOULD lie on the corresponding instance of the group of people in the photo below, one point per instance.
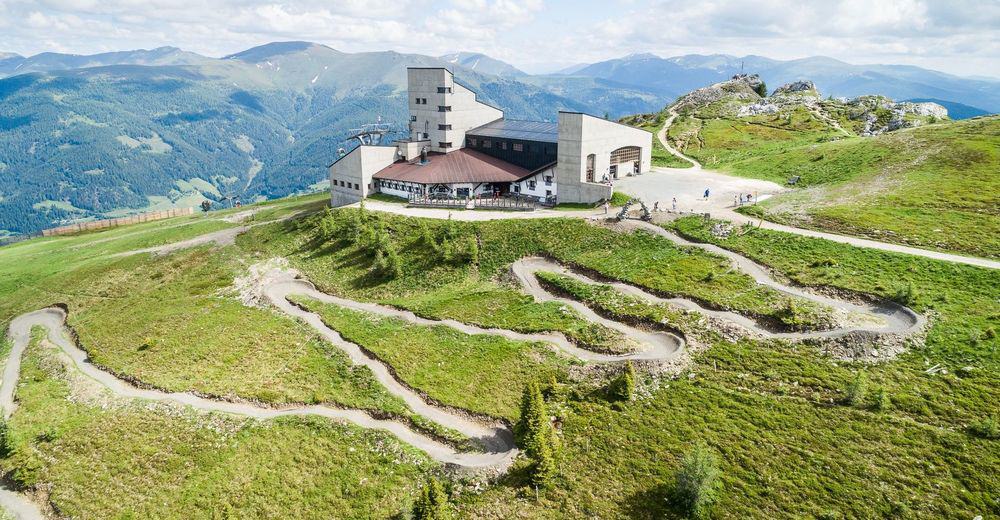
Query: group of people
(673, 206)
(739, 200)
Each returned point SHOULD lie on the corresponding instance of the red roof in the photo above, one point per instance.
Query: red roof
(462, 165)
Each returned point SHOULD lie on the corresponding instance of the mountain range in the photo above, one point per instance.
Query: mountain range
(102, 135)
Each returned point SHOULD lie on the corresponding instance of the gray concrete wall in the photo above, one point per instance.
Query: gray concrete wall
(351, 176)
(466, 112)
(581, 135)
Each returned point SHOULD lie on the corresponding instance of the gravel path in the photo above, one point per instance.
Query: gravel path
(497, 439)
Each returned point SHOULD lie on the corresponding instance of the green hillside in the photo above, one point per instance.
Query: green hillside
(792, 431)
(932, 184)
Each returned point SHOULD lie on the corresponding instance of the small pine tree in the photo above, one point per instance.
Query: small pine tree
(624, 385)
(425, 235)
(761, 89)
(433, 503)
(545, 469)
(881, 400)
(697, 481)
(857, 390)
(327, 226)
(472, 250)
(532, 410)
(393, 264)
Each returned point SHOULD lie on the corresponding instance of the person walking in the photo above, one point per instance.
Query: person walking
(656, 206)
(736, 200)
(674, 203)
(706, 193)
(606, 207)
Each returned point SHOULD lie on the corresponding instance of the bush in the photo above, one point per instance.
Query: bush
(905, 294)
(856, 391)
(697, 482)
(623, 387)
(988, 428)
(881, 400)
(432, 504)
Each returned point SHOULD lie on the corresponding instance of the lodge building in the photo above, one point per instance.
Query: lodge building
(459, 147)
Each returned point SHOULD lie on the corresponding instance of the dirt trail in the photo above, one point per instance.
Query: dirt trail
(497, 439)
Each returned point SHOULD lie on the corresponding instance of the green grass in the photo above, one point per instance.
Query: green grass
(472, 294)
(385, 197)
(932, 186)
(773, 411)
(618, 200)
(111, 458)
(481, 373)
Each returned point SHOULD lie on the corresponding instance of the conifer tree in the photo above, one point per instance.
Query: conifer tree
(625, 384)
(432, 504)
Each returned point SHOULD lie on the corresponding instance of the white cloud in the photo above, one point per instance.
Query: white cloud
(961, 36)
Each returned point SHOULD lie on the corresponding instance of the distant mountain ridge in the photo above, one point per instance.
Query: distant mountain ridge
(482, 63)
(674, 76)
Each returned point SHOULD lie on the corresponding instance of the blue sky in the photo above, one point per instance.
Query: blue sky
(958, 36)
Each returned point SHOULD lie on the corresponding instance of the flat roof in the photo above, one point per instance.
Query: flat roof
(462, 165)
(514, 129)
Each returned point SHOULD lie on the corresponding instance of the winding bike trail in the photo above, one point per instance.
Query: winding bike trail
(496, 438)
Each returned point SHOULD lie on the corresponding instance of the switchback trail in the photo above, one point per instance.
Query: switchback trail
(496, 438)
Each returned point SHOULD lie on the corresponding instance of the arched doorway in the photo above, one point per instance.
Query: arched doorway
(625, 160)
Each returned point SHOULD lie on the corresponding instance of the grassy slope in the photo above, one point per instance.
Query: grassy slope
(481, 373)
(769, 409)
(790, 448)
(934, 186)
(469, 293)
(132, 460)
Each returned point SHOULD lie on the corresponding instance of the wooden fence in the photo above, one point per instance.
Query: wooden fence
(115, 222)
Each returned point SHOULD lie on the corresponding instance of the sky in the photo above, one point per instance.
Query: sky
(956, 36)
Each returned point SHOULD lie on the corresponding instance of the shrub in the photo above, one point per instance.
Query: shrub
(988, 428)
(857, 390)
(623, 387)
(432, 504)
(697, 482)
(881, 400)
(761, 89)
(905, 294)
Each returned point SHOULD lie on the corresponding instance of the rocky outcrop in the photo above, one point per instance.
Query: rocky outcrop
(807, 88)
(742, 88)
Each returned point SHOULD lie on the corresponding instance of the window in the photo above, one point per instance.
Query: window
(487, 143)
(444, 144)
(518, 147)
(413, 119)
(531, 184)
(444, 127)
(548, 180)
(548, 193)
(503, 145)
(443, 108)
(517, 188)
(472, 142)
(444, 90)
(590, 167)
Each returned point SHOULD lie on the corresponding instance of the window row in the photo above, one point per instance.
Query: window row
(421, 101)
(350, 185)
(502, 145)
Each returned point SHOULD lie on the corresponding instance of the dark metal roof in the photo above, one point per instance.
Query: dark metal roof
(462, 165)
(513, 129)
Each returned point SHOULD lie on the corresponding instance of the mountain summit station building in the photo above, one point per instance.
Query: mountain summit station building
(461, 148)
